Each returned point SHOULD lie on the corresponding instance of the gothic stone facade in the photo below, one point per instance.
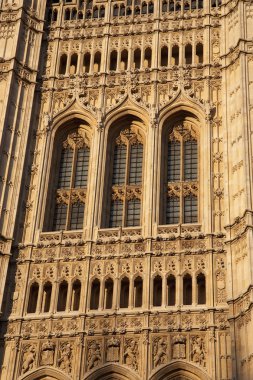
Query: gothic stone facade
(126, 189)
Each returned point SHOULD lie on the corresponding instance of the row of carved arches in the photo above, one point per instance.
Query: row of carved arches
(47, 297)
(179, 370)
(121, 60)
(86, 10)
(131, 292)
(102, 294)
(124, 176)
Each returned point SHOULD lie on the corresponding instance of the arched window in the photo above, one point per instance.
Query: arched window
(148, 58)
(73, 14)
(97, 62)
(188, 54)
(157, 291)
(201, 289)
(138, 292)
(164, 56)
(115, 10)
(199, 53)
(63, 64)
(124, 60)
(182, 175)
(122, 10)
(55, 15)
(72, 182)
(33, 297)
(80, 15)
(62, 296)
(46, 297)
(137, 59)
(108, 297)
(126, 192)
(172, 6)
(67, 15)
(171, 287)
(113, 60)
(102, 12)
(95, 295)
(175, 55)
(95, 12)
(151, 7)
(144, 8)
(187, 290)
(86, 62)
(165, 6)
(124, 293)
(73, 64)
(76, 295)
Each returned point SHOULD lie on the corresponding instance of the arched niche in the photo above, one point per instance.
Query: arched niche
(45, 373)
(179, 370)
(112, 372)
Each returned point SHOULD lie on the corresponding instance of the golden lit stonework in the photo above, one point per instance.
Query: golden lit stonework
(126, 190)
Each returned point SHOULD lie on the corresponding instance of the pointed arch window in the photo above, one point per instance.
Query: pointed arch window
(72, 182)
(126, 194)
(182, 175)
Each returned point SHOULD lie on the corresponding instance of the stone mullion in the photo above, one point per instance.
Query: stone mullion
(164, 290)
(131, 291)
(39, 300)
(69, 296)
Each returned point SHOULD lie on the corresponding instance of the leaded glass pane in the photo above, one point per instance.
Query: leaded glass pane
(60, 216)
(135, 170)
(65, 168)
(190, 160)
(133, 213)
(191, 209)
(173, 210)
(116, 213)
(82, 167)
(119, 165)
(77, 214)
(174, 161)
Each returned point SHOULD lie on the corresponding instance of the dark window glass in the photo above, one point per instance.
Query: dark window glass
(190, 209)
(82, 167)
(119, 165)
(187, 290)
(174, 161)
(135, 171)
(65, 168)
(116, 213)
(60, 217)
(190, 160)
(172, 210)
(133, 213)
(77, 213)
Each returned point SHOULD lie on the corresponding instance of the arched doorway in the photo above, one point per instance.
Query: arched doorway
(179, 370)
(45, 373)
(112, 372)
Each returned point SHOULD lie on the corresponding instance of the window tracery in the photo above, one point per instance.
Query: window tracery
(126, 191)
(182, 175)
(72, 182)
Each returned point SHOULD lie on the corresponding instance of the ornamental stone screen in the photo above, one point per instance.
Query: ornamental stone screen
(126, 190)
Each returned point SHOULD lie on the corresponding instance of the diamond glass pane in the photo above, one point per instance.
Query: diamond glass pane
(119, 165)
(116, 213)
(133, 213)
(174, 161)
(190, 160)
(82, 167)
(191, 209)
(60, 216)
(77, 214)
(135, 170)
(65, 168)
(172, 210)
